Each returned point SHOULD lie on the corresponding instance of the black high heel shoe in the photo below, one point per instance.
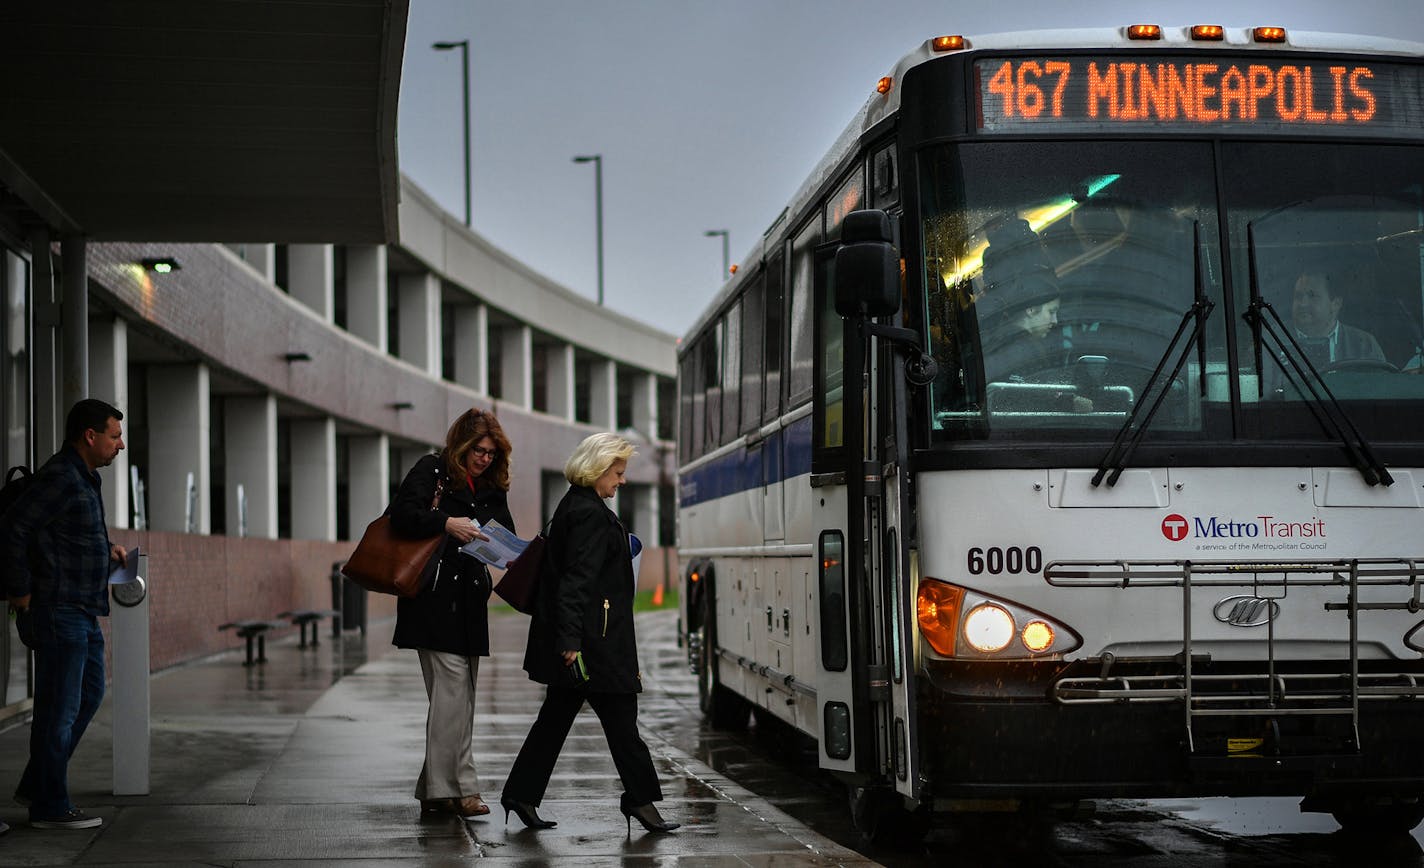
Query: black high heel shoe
(526, 813)
(646, 814)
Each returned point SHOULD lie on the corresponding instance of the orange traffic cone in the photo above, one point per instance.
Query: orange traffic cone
(658, 595)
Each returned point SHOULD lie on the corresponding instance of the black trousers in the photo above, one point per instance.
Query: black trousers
(618, 712)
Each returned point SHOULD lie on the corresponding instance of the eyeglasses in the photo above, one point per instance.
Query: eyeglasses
(481, 452)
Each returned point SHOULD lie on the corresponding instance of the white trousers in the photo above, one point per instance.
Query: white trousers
(449, 769)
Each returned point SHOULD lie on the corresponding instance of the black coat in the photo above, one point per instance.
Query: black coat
(585, 599)
(452, 614)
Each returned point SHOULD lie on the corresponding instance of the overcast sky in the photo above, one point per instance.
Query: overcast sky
(708, 115)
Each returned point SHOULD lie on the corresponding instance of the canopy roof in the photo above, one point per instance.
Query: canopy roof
(220, 120)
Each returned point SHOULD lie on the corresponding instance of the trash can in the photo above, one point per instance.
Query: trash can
(349, 599)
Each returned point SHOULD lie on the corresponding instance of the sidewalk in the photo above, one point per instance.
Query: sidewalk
(310, 759)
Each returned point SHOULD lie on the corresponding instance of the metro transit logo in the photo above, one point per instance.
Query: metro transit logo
(1177, 527)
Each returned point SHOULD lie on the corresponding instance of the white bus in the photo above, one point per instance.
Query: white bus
(1064, 437)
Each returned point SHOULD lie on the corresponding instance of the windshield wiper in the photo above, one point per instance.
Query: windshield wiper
(1303, 376)
(1122, 448)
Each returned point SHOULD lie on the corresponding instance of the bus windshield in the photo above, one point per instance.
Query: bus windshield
(1057, 279)
(1059, 273)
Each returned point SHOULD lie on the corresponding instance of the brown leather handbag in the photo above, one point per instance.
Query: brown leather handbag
(388, 563)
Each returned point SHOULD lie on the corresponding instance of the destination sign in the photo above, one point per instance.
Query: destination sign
(1202, 93)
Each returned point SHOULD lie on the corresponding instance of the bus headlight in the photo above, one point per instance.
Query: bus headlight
(967, 624)
(988, 628)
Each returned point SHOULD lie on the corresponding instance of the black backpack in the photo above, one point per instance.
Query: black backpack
(17, 479)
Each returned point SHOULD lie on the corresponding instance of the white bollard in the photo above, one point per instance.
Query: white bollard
(129, 682)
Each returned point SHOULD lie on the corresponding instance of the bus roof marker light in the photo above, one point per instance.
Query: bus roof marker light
(1144, 32)
(1208, 32)
(884, 85)
(949, 43)
(1268, 34)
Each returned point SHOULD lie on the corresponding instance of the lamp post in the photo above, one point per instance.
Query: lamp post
(597, 160)
(464, 46)
(726, 262)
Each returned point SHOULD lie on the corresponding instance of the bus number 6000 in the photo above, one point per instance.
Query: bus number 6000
(1012, 560)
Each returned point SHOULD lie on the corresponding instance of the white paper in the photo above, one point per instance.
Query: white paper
(126, 571)
(501, 547)
(635, 546)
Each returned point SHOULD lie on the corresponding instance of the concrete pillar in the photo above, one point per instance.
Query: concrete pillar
(262, 258)
(517, 366)
(369, 479)
(559, 373)
(406, 458)
(74, 253)
(109, 381)
(250, 435)
(366, 304)
(44, 349)
(179, 427)
(472, 347)
(314, 479)
(310, 272)
(645, 405)
(603, 394)
(419, 300)
(645, 512)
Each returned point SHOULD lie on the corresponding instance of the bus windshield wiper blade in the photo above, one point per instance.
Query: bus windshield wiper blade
(1302, 374)
(1122, 447)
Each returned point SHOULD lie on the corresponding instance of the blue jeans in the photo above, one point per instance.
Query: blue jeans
(69, 686)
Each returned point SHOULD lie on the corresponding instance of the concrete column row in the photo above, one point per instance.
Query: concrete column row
(310, 280)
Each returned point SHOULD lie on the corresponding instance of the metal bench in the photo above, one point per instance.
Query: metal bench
(303, 617)
(253, 629)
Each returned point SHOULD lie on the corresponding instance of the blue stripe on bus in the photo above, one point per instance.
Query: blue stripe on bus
(783, 455)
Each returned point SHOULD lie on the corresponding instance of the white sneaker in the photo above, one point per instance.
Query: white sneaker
(75, 819)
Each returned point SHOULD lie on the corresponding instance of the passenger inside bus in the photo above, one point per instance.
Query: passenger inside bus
(1026, 352)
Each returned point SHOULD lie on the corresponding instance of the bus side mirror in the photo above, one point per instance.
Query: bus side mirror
(867, 266)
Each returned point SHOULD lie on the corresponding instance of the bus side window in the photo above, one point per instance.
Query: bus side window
(731, 374)
(752, 318)
(712, 346)
(803, 267)
(685, 386)
(884, 179)
(775, 317)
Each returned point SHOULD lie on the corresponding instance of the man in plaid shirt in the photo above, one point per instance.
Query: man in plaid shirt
(55, 548)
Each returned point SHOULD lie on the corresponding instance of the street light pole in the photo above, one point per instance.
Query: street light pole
(597, 160)
(464, 46)
(726, 260)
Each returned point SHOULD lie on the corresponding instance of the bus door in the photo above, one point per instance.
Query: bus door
(865, 281)
(895, 584)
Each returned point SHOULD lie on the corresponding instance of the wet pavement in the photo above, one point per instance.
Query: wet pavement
(310, 759)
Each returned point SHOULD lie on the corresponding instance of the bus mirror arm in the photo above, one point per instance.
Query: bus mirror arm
(920, 366)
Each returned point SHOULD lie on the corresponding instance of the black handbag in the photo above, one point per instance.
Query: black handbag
(521, 580)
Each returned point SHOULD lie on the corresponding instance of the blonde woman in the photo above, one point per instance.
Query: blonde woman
(581, 641)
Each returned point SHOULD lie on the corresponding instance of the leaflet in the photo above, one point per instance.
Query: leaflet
(500, 549)
(127, 571)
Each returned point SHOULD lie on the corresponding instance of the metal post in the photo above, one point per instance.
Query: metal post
(129, 688)
(74, 319)
(726, 252)
(597, 160)
(464, 46)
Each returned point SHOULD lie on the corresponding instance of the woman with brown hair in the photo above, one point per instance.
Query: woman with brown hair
(447, 623)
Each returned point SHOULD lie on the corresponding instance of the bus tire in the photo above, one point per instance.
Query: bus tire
(880, 817)
(723, 708)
